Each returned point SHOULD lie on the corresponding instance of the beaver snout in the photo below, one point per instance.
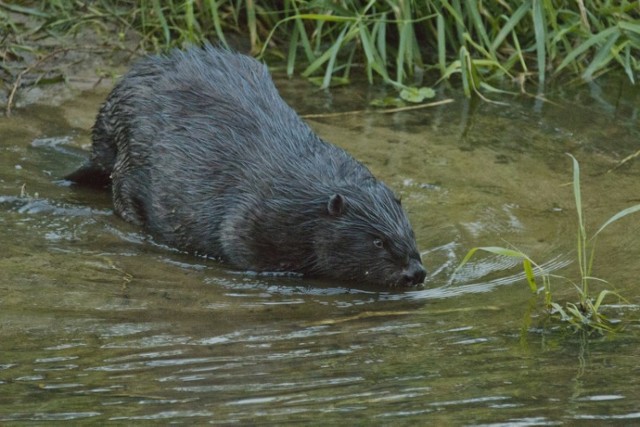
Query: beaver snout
(414, 274)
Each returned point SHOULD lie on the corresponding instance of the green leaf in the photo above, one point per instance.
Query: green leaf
(601, 37)
(215, 17)
(528, 272)
(190, 19)
(325, 18)
(442, 50)
(335, 49)
(503, 251)
(472, 7)
(381, 38)
(576, 193)
(559, 309)
(627, 64)
(373, 58)
(510, 24)
(389, 101)
(333, 82)
(539, 26)
(293, 49)
(629, 26)
(486, 86)
(304, 38)
(618, 216)
(602, 58)
(163, 22)
(25, 10)
(464, 72)
(601, 297)
(417, 95)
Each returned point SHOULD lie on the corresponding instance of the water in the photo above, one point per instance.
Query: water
(98, 323)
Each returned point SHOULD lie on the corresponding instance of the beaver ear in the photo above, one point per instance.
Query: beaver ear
(335, 206)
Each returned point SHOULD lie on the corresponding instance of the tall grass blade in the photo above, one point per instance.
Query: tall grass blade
(293, 50)
(540, 26)
(511, 23)
(217, 23)
(191, 21)
(252, 24)
(464, 72)
(25, 10)
(577, 195)
(405, 32)
(381, 38)
(321, 17)
(581, 244)
(602, 57)
(627, 64)
(528, 272)
(373, 59)
(302, 33)
(457, 17)
(616, 217)
(442, 49)
(482, 40)
(163, 22)
(472, 6)
(326, 82)
(599, 38)
(519, 53)
(633, 27)
(497, 250)
(601, 297)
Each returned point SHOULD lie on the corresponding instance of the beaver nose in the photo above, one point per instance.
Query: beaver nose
(414, 274)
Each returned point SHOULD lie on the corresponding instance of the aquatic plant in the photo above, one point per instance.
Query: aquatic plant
(477, 43)
(585, 314)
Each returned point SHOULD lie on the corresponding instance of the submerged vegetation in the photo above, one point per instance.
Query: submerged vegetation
(478, 44)
(584, 315)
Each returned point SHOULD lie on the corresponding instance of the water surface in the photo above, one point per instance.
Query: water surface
(99, 323)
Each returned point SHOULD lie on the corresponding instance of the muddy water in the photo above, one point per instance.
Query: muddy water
(98, 323)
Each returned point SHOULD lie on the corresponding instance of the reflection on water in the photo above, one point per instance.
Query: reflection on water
(98, 322)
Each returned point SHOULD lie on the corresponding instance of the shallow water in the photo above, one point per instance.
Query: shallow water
(98, 323)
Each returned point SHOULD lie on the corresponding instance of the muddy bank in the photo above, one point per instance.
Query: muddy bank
(38, 66)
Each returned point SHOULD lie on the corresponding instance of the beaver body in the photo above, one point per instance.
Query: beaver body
(201, 151)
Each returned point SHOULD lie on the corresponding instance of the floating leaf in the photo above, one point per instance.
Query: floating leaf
(388, 101)
(335, 81)
(417, 95)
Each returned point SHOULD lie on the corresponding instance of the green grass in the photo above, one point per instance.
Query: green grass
(585, 314)
(477, 44)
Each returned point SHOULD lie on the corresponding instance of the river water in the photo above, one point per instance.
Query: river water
(98, 323)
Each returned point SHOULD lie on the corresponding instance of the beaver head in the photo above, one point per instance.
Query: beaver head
(366, 236)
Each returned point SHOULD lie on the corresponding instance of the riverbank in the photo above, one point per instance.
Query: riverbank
(512, 46)
(39, 66)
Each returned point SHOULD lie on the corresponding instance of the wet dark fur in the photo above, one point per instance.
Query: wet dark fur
(201, 150)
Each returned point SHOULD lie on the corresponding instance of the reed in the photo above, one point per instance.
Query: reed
(477, 44)
(585, 314)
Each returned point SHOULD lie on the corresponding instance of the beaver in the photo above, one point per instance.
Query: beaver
(201, 151)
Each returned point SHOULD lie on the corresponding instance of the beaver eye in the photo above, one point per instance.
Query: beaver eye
(378, 243)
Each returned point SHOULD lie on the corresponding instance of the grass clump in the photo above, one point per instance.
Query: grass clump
(585, 314)
(476, 43)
